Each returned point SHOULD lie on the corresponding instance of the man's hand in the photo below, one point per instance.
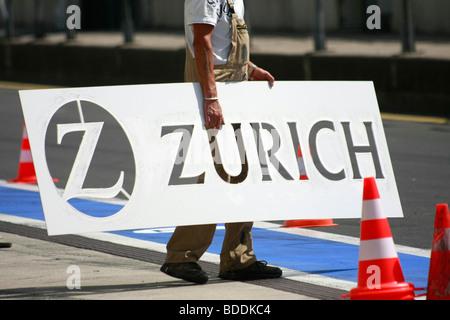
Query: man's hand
(260, 74)
(213, 114)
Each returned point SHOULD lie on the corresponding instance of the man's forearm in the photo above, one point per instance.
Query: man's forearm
(204, 59)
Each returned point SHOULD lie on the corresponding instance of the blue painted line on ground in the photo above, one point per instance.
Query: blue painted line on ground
(307, 254)
(329, 258)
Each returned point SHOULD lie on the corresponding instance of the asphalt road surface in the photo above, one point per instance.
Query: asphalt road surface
(420, 154)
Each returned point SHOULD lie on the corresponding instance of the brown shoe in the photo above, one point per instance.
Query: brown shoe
(255, 271)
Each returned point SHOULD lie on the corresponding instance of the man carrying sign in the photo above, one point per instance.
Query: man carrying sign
(217, 50)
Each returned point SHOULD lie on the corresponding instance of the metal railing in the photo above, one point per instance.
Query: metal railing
(7, 18)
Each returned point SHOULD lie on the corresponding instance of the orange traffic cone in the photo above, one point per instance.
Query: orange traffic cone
(301, 165)
(306, 223)
(380, 276)
(26, 173)
(439, 274)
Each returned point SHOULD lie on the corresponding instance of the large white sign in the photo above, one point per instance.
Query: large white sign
(299, 150)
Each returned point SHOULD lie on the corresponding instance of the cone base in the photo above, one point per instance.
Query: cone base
(439, 276)
(439, 271)
(395, 291)
(29, 180)
(309, 223)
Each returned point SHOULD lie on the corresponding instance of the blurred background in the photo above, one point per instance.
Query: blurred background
(431, 17)
(403, 46)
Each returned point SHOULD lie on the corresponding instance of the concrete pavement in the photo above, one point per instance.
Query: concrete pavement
(39, 269)
(357, 45)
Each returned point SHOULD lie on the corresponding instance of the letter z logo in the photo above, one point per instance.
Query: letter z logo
(94, 141)
(80, 167)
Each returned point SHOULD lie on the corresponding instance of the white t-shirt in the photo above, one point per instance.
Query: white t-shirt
(216, 13)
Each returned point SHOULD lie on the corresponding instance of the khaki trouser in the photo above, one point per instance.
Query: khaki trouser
(189, 243)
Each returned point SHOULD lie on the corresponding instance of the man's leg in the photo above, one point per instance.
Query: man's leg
(237, 248)
(237, 260)
(184, 249)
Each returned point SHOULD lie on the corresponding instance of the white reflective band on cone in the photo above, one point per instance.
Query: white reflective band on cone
(377, 249)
